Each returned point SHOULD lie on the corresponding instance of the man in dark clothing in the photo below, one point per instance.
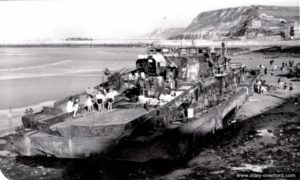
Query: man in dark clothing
(291, 89)
(266, 71)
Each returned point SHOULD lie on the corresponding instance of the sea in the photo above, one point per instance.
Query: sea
(35, 76)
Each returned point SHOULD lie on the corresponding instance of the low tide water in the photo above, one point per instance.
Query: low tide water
(29, 76)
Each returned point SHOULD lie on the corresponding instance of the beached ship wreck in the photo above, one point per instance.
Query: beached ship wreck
(208, 88)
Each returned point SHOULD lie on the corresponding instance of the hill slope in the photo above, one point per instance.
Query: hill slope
(165, 33)
(242, 22)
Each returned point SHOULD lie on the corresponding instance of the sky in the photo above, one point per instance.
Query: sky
(104, 19)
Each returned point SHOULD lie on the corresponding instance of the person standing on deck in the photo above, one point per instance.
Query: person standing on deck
(110, 98)
(89, 104)
(69, 107)
(100, 98)
(72, 106)
(171, 82)
(75, 107)
(10, 117)
(259, 82)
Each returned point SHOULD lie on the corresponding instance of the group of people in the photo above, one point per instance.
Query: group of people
(94, 97)
(261, 86)
(285, 86)
(155, 90)
(135, 76)
(283, 68)
(99, 98)
(286, 65)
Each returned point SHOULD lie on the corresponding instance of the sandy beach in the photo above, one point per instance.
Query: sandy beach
(263, 140)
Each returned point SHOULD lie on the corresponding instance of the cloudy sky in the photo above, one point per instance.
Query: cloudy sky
(108, 19)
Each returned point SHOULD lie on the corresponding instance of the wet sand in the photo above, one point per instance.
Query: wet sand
(264, 139)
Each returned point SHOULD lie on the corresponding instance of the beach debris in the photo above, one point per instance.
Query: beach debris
(217, 172)
(264, 132)
(4, 153)
(251, 167)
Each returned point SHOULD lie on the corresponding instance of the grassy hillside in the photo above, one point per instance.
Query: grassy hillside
(242, 22)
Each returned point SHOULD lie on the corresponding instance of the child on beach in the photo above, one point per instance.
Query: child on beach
(291, 89)
(280, 83)
(272, 72)
(285, 88)
(266, 71)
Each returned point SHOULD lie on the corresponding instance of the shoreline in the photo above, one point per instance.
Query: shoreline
(27, 99)
(149, 42)
(17, 114)
(73, 74)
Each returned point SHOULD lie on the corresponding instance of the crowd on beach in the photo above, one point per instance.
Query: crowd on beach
(261, 86)
(285, 67)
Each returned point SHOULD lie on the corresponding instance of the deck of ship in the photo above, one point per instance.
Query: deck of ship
(116, 116)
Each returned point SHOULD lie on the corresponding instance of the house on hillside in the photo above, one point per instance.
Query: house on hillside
(256, 24)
